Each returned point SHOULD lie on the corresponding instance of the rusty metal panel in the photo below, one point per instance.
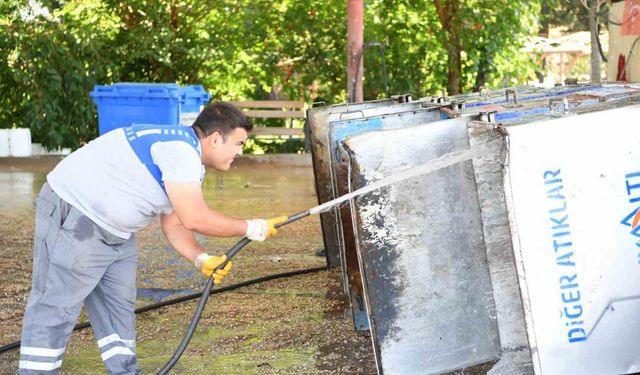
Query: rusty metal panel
(421, 246)
(340, 172)
(317, 130)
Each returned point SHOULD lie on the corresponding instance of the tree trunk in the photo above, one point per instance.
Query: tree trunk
(455, 65)
(596, 60)
(483, 71)
(355, 49)
(447, 14)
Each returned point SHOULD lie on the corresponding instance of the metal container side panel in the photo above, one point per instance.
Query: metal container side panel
(488, 170)
(427, 285)
(317, 121)
(381, 111)
(539, 102)
(352, 280)
(340, 167)
(596, 98)
(573, 206)
(526, 106)
(492, 95)
(528, 95)
(576, 107)
(496, 95)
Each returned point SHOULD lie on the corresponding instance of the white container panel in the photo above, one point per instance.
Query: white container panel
(573, 189)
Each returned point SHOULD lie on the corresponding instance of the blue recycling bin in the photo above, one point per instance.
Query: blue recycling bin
(121, 104)
(192, 99)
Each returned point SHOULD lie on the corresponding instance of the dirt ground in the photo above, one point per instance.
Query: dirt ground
(297, 325)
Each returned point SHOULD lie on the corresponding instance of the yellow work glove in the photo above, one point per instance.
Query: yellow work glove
(207, 263)
(260, 230)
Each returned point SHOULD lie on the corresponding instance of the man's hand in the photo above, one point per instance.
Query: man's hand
(260, 230)
(207, 263)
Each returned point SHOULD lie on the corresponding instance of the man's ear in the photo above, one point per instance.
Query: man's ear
(215, 139)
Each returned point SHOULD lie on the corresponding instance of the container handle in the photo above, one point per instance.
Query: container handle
(318, 104)
(509, 92)
(555, 103)
(483, 91)
(346, 113)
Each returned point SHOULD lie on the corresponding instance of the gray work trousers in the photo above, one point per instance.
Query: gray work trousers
(75, 262)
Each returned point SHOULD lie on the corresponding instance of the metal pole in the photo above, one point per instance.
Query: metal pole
(355, 40)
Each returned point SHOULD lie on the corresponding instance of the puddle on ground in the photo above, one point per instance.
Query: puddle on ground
(246, 187)
(159, 294)
(19, 189)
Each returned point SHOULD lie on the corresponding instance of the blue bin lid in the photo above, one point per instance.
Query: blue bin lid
(147, 90)
(194, 91)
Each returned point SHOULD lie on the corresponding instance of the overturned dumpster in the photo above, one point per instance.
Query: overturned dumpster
(437, 254)
(317, 128)
(395, 116)
(332, 125)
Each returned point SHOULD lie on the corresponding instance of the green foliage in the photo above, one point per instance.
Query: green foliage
(45, 76)
(414, 58)
(569, 13)
(274, 145)
(258, 49)
(490, 33)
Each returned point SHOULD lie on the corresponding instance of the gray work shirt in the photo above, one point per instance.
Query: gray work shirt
(106, 181)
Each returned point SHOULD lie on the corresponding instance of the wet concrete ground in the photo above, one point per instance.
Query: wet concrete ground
(296, 325)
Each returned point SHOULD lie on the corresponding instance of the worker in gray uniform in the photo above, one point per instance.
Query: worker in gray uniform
(87, 213)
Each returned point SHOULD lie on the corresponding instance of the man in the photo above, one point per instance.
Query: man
(86, 216)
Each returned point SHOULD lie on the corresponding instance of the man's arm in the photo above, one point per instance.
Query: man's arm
(193, 213)
(183, 241)
(180, 238)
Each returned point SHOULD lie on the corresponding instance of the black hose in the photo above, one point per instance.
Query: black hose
(207, 292)
(191, 296)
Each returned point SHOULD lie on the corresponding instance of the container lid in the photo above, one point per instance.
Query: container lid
(194, 91)
(147, 90)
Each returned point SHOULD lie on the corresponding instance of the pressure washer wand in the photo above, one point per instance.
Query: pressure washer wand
(431, 166)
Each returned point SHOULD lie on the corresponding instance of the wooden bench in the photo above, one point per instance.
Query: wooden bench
(282, 109)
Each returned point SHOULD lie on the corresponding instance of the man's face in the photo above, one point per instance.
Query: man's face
(219, 153)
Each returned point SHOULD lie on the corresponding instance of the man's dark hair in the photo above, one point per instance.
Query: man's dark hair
(222, 118)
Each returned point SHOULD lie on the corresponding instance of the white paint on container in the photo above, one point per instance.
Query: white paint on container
(20, 142)
(4, 143)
